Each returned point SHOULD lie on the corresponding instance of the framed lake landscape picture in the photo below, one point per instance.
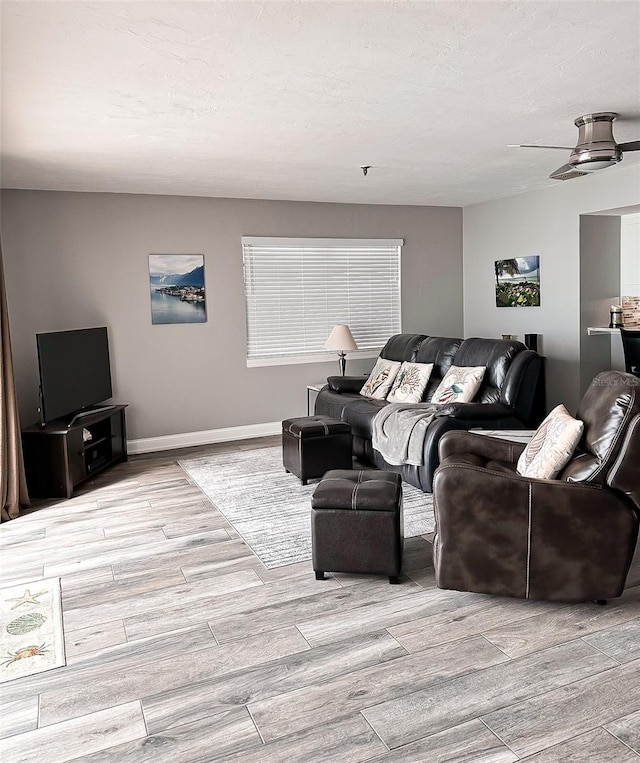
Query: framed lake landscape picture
(177, 288)
(518, 282)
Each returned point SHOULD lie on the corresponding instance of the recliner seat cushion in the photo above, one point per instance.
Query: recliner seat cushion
(335, 403)
(473, 459)
(360, 414)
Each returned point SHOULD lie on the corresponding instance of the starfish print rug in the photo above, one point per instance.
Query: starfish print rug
(31, 635)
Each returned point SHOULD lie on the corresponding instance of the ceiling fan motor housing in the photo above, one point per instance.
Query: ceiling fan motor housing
(596, 143)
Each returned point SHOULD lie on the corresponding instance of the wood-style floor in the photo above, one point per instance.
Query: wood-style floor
(182, 647)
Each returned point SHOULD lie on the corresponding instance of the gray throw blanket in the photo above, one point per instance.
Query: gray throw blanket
(399, 430)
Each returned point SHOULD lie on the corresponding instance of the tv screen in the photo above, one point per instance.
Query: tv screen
(74, 370)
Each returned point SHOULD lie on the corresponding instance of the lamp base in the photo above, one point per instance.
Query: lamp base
(342, 362)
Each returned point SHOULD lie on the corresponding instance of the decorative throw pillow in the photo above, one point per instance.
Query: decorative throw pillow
(410, 382)
(459, 384)
(380, 379)
(552, 445)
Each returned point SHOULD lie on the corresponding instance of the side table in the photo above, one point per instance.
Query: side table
(316, 387)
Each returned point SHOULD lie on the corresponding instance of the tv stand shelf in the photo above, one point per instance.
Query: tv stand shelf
(58, 458)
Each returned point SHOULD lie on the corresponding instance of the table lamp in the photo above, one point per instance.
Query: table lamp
(341, 340)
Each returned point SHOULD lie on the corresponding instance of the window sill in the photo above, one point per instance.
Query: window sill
(295, 360)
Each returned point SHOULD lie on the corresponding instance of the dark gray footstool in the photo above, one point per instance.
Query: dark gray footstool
(356, 523)
(312, 445)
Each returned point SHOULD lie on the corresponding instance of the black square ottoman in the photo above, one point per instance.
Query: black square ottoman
(356, 523)
(312, 445)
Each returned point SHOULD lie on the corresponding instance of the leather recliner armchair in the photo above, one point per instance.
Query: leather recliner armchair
(568, 539)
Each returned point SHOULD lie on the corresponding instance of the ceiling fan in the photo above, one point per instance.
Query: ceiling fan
(596, 148)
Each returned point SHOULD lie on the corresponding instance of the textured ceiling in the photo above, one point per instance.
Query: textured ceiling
(285, 100)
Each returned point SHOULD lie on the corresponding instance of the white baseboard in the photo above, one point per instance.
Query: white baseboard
(206, 437)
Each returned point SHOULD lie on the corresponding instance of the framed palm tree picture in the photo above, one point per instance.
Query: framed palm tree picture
(518, 282)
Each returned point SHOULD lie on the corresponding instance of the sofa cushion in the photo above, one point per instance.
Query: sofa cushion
(410, 383)
(440, 351)
(380, 379)
(459, 385)
(402, 347)
(496, 355)
(552, 445)
(360, 414)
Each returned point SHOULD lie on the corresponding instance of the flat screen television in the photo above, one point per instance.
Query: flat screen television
(74, 371)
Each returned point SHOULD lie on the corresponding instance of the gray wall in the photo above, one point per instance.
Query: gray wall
(546, 223)
(599, 289)
(75, 260)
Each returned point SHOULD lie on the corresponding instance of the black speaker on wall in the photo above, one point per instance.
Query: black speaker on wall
(531, 341)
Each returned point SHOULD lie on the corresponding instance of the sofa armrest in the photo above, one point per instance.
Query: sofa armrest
(346, 383)
(524, 388)
(476, 411)
(491, 448)
(442, 424)
(539, 539)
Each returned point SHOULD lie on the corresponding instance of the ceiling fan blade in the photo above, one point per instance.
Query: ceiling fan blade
(566, 172)
(632, 145)
(531, 145)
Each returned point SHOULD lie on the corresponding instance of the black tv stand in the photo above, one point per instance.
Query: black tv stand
(88, 412)
(58, 458)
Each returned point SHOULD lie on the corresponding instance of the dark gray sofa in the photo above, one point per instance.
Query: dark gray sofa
(511, 395)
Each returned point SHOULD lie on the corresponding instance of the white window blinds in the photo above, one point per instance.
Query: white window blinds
(297, 290)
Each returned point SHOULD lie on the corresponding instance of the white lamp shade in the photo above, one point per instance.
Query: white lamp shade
(340, 339)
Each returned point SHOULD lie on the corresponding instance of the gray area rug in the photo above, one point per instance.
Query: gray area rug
(270, 509)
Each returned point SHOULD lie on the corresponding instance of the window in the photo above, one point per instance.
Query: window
(298, 289)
